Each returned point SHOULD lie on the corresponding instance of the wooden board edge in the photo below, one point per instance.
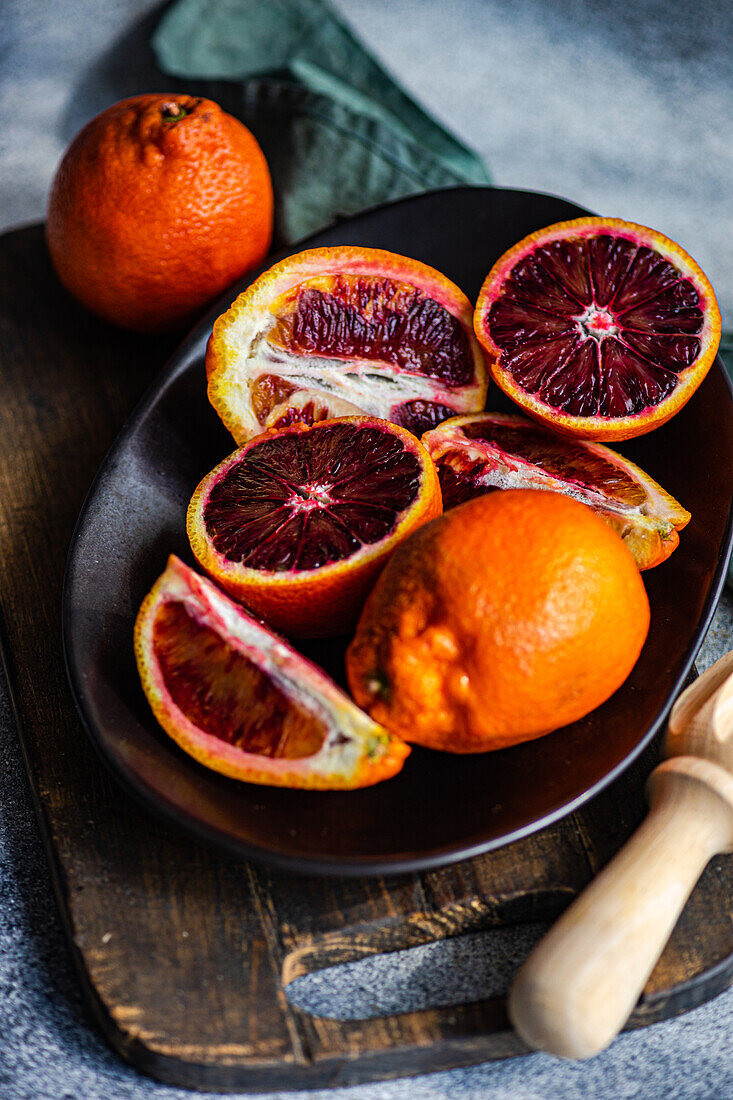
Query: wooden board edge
(166, 1066)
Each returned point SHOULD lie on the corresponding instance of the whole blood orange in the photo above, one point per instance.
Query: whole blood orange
(298, 523)
(338, 331)
(599, 327)
(479, 453)
(507, 617)
(243, 702)
(160, 202)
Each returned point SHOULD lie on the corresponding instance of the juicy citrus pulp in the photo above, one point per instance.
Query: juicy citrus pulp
(299, 521)
(600, 327)
(336, 331)
(484, 451)
(507, 617)
(243, 702)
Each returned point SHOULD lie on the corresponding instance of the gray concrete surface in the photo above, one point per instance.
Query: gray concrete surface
(622, 107)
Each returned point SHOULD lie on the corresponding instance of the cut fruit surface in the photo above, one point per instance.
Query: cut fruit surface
(601, 328)
(337, 331)
(243, 702)
(485, 451)
(298, 523)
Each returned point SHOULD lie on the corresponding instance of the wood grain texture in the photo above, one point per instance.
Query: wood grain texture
(576, 990)
(184, 953)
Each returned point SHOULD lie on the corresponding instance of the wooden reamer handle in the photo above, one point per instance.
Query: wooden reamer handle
(580, 984)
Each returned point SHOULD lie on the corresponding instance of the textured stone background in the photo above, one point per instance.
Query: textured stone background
(622, 107)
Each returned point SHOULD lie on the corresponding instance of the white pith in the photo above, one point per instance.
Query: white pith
(596, 323)
(250, 354)
(511, 472)
(319, 495)
(296, 678)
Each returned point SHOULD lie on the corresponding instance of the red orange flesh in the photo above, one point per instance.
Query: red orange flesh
(601, 328)
(339, 331)
(244, 703)
(482, 452)
(299, 522)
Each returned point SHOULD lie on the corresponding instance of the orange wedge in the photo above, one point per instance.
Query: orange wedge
(486, 451)
(241, 701)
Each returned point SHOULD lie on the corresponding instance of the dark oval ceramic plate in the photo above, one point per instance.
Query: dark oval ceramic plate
(441, 807)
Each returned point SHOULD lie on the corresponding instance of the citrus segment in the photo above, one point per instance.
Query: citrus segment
(244, 703)
(599, 327)
(299, 521)
(484, 451)
(355, 330)
(506, 618)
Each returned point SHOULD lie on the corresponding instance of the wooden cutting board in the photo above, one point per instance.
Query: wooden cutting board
(185, 954)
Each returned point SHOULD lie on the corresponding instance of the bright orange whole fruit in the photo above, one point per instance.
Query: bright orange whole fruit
(508, 617)
(159, 203)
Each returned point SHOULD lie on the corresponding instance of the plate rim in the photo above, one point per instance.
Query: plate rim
(357, 865)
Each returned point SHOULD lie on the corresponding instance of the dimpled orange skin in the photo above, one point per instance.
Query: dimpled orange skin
(160, 202)
(508, 617)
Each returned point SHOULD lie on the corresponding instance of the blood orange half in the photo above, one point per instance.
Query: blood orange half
(298, 523)
(243, 702)
(337, 331)
(487, 451)
(599, 327)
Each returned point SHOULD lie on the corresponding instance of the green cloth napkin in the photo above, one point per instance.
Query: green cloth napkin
(339, 133)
